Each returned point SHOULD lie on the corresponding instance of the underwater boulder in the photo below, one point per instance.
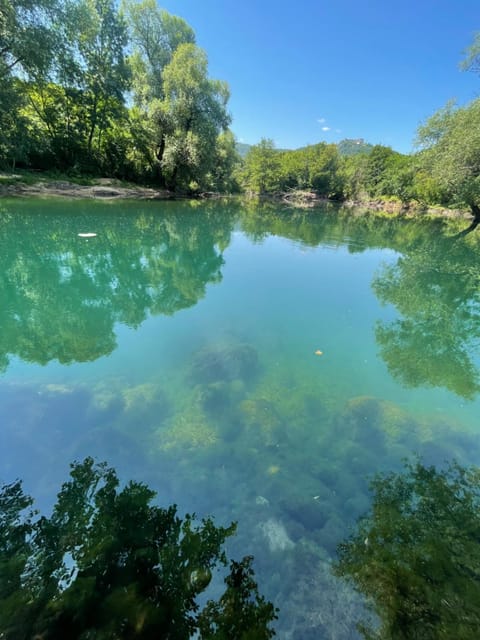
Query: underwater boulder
(310, 513)
(332, 534)
(363, 421)
(263, 421)
(145, 400)
(319, 605)
(276, 535)
(223, 363)
(188, 430)
(216, 397)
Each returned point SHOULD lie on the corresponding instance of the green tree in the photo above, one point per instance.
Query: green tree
(155, 35)
(471, 62)
(14, 135)
(85, 92)
(184, 111)
(26, 37)
(195, 108)
(376, 164)
(106, 74)
(226, 162)
(261, 172)
(399, 177)
(110, 564)
(315, 167)
(353, 172)
(416, 554)
(450, 143)
(27, 45)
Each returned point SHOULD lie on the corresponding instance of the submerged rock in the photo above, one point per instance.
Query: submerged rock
(263, 421)
(319, 605)
(374, 424)
(146, 406)
(188, 430)
(310, 513)
(276, 535)
(216, 397)
(223, 363)
(365, 416)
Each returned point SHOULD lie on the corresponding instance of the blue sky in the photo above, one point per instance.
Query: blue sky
(305, 71)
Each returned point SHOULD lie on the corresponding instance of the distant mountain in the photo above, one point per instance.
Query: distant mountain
(347, 147)
(243, 148)
(353, 146)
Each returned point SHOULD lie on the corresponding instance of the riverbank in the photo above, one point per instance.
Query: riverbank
(102, 188)
(12, 185)
(307, 199)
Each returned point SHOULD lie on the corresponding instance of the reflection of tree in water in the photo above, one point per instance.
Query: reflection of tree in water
(416, 556)
(435, 286)
(62, 295)
(107, 563)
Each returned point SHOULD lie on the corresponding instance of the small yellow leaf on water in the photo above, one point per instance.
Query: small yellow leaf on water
(318, 352)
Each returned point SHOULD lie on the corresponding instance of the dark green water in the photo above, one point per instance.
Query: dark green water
(179, 345)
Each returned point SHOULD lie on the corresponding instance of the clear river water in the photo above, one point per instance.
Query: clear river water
(248, 361)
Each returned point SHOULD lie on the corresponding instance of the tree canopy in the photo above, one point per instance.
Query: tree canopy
(69, 69)
(450, 140)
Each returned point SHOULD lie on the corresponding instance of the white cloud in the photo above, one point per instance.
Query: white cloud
(321, 120)
(325, 128)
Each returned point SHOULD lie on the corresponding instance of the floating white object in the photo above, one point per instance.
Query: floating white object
(87, 235)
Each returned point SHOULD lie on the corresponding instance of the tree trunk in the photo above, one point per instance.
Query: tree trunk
(475, 208)
(476, 213)
(172, 183)
(159, 156)
(93, 125)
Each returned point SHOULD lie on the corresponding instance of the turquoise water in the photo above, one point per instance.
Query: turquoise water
(179, 345)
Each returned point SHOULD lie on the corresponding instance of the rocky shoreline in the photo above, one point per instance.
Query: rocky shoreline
(305, 199)
(106, 189)
(103, 189)
(407, 208)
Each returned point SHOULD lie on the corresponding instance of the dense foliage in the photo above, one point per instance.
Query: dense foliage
(416, 555)
(122, 90)
(109, 564)
(445, 170)
(342, 172)
(88, 87)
